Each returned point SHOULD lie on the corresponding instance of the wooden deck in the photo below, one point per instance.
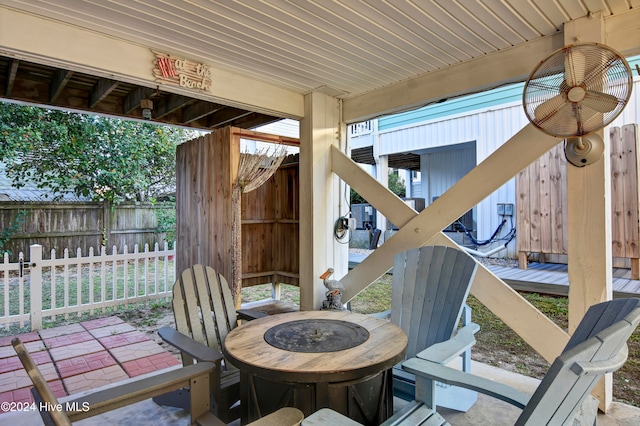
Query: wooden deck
(552, 278)
(546, 278)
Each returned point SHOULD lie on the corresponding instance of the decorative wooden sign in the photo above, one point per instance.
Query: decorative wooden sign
(181, 72)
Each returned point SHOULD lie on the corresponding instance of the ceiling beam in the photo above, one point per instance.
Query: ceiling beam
(198, 110)
(58, 83)
(622, 32)
(171, 104)
(101, 90)
(132, 99)
(225, 116)
(508, 66)
(12, 71)
(254, 119)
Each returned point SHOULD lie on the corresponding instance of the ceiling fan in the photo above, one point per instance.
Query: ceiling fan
(575, 92)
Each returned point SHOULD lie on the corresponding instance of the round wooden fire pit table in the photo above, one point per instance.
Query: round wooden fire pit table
(315, 359)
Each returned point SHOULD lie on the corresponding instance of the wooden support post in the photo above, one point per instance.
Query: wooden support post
(635, 269)
(35, 278)
(322, 199)
(589, 219)
(522, 260)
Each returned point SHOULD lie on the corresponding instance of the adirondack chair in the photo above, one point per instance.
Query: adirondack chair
(111, 398)
(598, 346)
(429, 292)
(204, 314)
(329, 417)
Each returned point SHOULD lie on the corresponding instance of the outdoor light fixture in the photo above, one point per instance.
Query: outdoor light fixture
(147, 108)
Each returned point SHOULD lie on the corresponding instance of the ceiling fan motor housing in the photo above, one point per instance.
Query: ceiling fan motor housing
(584, 150)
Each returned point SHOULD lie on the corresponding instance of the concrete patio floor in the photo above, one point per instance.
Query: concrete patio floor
(489, 411)
(80, 357)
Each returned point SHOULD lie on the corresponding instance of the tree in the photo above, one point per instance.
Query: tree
(396, 185)
(105, 159)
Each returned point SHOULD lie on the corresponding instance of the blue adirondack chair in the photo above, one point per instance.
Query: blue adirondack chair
(429, 293)
(598, 346)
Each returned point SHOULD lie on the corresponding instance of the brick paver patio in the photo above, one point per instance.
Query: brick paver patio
(78, 357)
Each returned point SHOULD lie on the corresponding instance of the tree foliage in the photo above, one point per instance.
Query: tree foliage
(105, 159)
(396, 185)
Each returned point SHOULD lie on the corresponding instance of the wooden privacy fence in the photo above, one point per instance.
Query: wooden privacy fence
(206, 169)
(36, 288)
(542, 202)
(270, 221)
(60, 225)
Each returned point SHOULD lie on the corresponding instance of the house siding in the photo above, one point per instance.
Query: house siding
(485, 130)
(488, 119)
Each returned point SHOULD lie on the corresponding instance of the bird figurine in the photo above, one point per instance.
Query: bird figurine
(334, 292)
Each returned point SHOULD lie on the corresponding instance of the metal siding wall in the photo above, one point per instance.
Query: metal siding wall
(489, 129)
(494, 129)
(448, 167)
(361, 141)
(631, 114)
(285, 127)
(416, 190)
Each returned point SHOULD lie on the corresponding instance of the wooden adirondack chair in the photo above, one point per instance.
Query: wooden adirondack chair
(204, 313)
(598, 346)
(429, 293)
(111, 398)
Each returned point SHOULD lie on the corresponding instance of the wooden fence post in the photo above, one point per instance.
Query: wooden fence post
(35, 278)
(106, 224)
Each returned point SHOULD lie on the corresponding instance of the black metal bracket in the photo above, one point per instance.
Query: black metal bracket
(25, 265)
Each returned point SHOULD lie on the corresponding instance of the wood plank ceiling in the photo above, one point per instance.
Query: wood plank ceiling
(343, 48)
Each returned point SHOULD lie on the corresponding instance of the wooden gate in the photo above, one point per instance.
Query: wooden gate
(541, 202)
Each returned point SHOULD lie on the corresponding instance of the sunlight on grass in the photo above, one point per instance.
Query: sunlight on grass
(375, 298)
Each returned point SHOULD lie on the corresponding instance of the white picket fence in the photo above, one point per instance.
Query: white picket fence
(36, 289)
